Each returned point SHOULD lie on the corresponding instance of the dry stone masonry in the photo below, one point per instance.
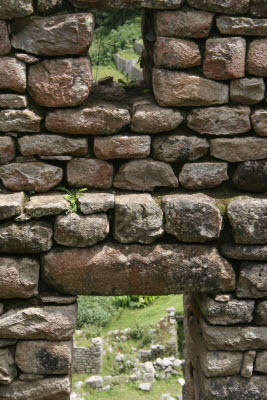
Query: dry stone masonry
(176, 183)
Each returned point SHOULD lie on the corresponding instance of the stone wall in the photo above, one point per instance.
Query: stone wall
(176, 181)
(88, 359)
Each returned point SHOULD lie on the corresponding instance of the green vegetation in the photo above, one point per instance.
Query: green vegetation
(129, 54)
(102, 71)
(72, 196)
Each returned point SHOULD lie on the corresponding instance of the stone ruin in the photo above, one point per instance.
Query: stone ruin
(160, 172)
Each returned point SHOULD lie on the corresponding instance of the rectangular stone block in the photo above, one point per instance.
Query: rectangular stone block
(122, 146)
(8, 100)
(19, 121)
(7, 149)
(239, 149)
(230, 6)
(11, 205)
(10, 9)
(242, 26)
(261, 362)
(47, 145)
(51, 204)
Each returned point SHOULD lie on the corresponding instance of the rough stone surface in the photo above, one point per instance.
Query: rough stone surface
(155, 269)
(191, 218)
(261, 313)
(258, 8)
(223, 120)
(32, 176)
(94, 173)
(42, 357)
(248, 218)
(242, 26)
(197, 176)
(51, 204)
(230, 6)
(259, 122)
(122, 146)
(225, 58)
(27, 58)
(18, 277)
(8, 100)
(220, 363)
(174, 53)
(44, 389)
(5, 45)
(150, 118)
(247, 90)
(61, 35)
(137, 219)
(248, 363)
(261, 362)
(48, 6)
(244, 252)
(173, 88)
(81, 231)
(252, 280)
(19, 120)
(27, 237)
(8, 370)
(7, 342)
(47, 145)
(256, 58)
(189, 24)
(63, 82)
(15, 9)
(95, 382)
(12, 74)
(145, 175)
(99, 119)
(179, 148)
(239, 149)
(110, 4)
(91, 203)
(251, 176)
(7, 149)
(48, 322)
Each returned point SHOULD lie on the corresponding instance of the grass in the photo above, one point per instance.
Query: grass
(129, 54)
(106, 70)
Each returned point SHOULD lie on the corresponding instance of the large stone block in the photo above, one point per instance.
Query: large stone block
(248, 219)
(155, 269)
(190, 24)
(251, 176)
(11, 205)
(137, 219)
(10, 9)
(244, 252)
(50, 204)
(256, 58)
(261, 313)
(230, 6)
(18, 277)
(62, 82)
(43, 357)
(242, 26)
(12, 74)
(197, 176)
(8, 370)
(5, 45)
(173, 88)
(79, 230)
(219, 363)
(122, 146)
(27, 237)
(247, 90)
(259, 122)
(252, 280)
(20, 121)
(85, 172)
(61, 35)
(145, 175)
(8, 100)
(223, 120)
(191, 218)
(91, 203)
(239, 149)
(98, 119)
(48, 322)
(7, 149)
(32, 176)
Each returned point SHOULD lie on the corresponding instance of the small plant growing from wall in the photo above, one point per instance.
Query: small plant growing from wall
(72, 196)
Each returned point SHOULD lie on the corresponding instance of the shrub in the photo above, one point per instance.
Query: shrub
(94, 310)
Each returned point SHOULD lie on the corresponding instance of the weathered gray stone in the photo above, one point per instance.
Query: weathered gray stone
(18, 277)
(47, 145)
(259, 122)
(261, 313)
(173, 88)
(20, 121)
(261, 362)
(197, 176)
(220, 363)
(155, 269)
(7, 149)
(7, 342)
(10, 9)
(27, 58)
(49, 6)
(95, 382)
(248, 363)
(252, 280)
(51, 204)
(192, 218)
(247, 90)
(61, 35)
(239, 149)
(32, 176)
(223, 120)
(242, 26)
(5, 45)
(251, 176)
(48, 322)
(12, 74)
(145, 386)
(137, 219)
(91, 203)
(11, 205)
(57, 299)
(248, 219)
(258, 8)
(8, 370)
(44, 357)
(234, 338)
(8, 100)
(28, 237)
(85, 172)
(145, 175)
(179, 148)
(81, 231)
(244, 252)
(62, 82)
(230, 6)
(256, 58)
(44, 389)
(229, 313)
(122, 146)
(30, 377)
(99, 119)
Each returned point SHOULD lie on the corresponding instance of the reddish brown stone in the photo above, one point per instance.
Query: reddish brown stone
(122, 146)
(225, 58)
(12, 74)
(62, 82)
(5, 45)
(7, 149)
(47, 145)
(242, 26)
(247, 90)
(257, 58)
(10, 9)
(85, 172)
(176, 53)
(230, 6)
(189, 24)
(239, 149)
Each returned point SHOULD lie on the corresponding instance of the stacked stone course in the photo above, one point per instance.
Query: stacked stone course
(159, 168)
